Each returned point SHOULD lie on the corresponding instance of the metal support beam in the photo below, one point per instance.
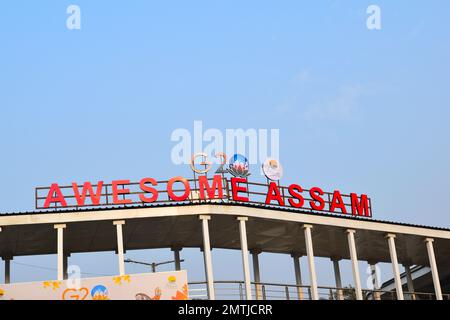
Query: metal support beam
(176, 256)
(207, 257)
(354, 258)
(7, 269)
(256, 274)
(245, 263)
(65, 265)
(409, 281)
(60, 247)
(434, 270)
(312, 267)
(337, 278)
(394, 262)
(298, 275)
(120, 251)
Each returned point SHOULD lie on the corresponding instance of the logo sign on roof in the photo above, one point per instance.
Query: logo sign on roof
(272, 169)
(239, 166)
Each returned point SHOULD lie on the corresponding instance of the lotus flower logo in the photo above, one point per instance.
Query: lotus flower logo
(99, 293)
(239, 166)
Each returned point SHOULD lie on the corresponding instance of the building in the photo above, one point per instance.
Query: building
(251, 228)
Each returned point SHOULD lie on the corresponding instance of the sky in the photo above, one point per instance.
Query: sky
(358, 110)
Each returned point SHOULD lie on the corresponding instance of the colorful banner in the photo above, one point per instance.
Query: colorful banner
(148, 286)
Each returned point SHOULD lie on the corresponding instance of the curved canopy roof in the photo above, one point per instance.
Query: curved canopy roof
(269, 230)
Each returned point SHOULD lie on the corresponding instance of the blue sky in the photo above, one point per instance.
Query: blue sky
(357, 110)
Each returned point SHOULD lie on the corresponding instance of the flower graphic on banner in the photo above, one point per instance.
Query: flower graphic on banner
(2, 292)
(181, 295)
(51, 284)
(120, 279)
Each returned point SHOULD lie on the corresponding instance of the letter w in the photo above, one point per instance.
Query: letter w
(87, 188)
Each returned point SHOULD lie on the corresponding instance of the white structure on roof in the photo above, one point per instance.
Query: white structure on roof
(250, 229)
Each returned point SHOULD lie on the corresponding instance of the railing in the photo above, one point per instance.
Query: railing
(235, 290)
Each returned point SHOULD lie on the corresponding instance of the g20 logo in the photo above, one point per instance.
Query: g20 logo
(238, 166)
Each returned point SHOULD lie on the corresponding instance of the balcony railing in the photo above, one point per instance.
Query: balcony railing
(235, 290)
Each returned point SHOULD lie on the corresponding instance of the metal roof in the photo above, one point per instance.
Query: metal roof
(207, 202)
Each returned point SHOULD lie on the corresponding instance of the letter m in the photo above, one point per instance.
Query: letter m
(360, 205)
(210, 190)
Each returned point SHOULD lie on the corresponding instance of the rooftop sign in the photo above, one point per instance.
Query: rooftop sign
(216, 188)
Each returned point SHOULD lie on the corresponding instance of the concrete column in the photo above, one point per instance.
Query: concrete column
(394, 262)
(355, 267)
(207, 257)
(434, 270)
(256, 274)
(176, 257)
(245, 263)
(60, 245)
(375, 281)
(409, 281)
(312, 268)
(120, 251)
(338, 280)
(298, 275)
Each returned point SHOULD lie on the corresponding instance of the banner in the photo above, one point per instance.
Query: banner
(149, 286)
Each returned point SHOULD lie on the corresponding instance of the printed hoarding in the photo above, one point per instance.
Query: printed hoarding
(148, 286)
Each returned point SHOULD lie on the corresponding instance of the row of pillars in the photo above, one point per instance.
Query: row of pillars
(311, 265)
(307, 229)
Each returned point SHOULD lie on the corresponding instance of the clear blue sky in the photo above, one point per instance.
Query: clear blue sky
(358, 110)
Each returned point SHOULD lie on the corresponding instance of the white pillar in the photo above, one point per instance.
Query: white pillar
(409, 281)
(60, 245)
(207, 257)
(395, 269)
(338, 280)
(354, 258)
(434, 270)
(120, 251)
(244, 250)
(176, 256)
(375, 281)
(256, 274)
(298, 275)
(312, 268)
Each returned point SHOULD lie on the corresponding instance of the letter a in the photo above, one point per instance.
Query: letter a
(74, 20)
(374, 20)
(54, 196)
